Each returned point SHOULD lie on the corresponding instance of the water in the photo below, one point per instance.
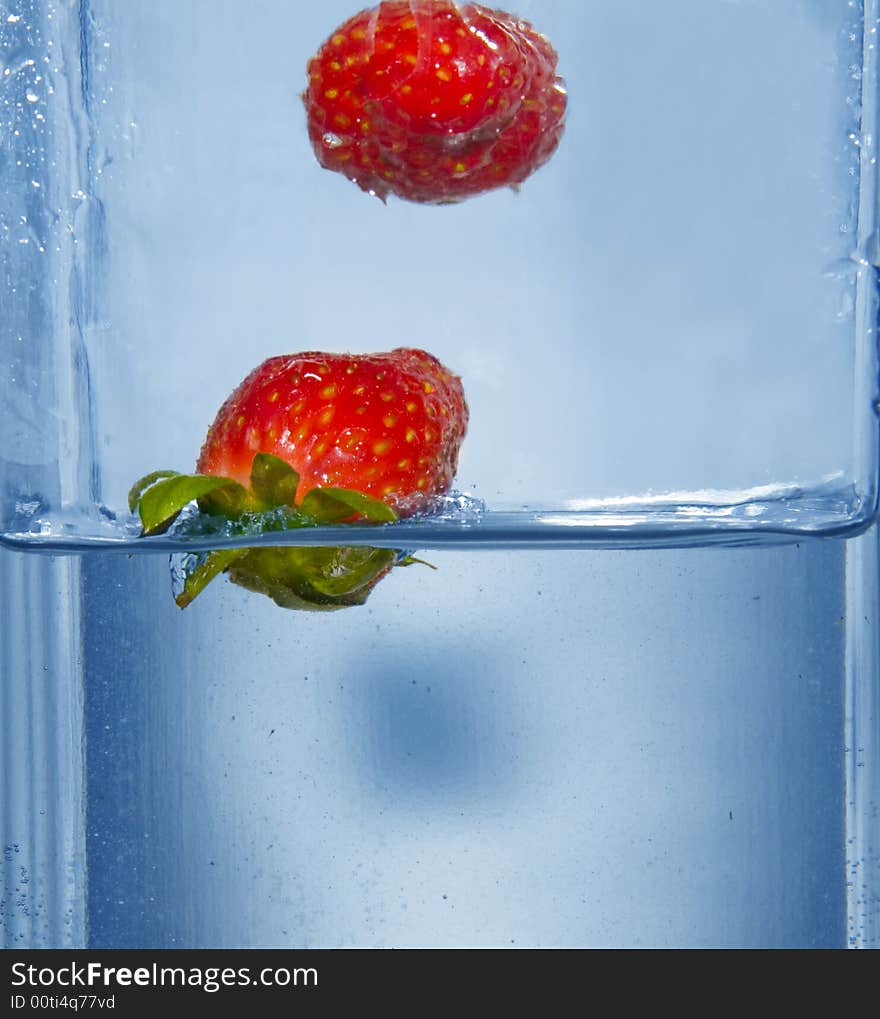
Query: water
(666, 339)
(594, 748)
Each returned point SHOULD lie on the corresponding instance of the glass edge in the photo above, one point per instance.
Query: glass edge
(862, 741)
(866, 426)
(42, 754)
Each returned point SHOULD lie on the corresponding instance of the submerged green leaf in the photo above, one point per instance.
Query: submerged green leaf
(353, 569)
(212, 564)
(411, 560)
(313, 578)
(161, 504)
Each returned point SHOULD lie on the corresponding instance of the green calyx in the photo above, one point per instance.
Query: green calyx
(160, 497)
(314, 578)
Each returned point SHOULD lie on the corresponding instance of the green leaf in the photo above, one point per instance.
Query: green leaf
(274, 481)
(411, 560)
(204, 573)
(160, 505)
(319, 579)
(228, 501)
(333, 505)
(351, 569)
(139, 487)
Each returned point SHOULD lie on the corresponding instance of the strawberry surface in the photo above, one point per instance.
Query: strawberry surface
(433, 101)
(388, 425)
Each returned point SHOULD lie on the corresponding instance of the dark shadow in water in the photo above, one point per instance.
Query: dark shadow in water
(438, 726)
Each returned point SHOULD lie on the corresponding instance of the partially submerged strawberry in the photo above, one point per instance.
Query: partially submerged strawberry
(434, 101)
(310, 439)
(389, 425)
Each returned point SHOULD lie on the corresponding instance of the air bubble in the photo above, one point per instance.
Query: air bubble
(331, 141)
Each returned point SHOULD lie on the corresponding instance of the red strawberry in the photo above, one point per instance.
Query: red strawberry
(434, 102)
(388, 425)
(312, 439)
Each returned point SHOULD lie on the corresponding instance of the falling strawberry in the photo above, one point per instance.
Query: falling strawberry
(433, 101)
(309, 439)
